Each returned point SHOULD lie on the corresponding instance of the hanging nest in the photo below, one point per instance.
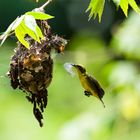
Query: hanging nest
(31, 70)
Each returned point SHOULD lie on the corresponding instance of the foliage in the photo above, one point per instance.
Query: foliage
(125, 3)
(96, 7)
(26, 25)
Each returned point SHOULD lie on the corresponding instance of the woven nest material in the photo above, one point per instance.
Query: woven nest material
(31, 69)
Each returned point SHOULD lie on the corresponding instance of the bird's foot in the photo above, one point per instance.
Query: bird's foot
(87, 93)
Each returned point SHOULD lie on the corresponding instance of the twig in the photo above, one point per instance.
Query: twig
(44, 5)
(41, 8)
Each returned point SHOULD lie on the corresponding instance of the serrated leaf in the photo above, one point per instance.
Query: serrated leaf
(39, 15)
(133, 4)
(37, 35)
(29, 27)
(124, 4)
(20, 34)
(96, 7)
(32, 29)
(26, 25)
(30, 32)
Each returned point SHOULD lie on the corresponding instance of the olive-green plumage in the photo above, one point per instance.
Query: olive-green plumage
(90, 84)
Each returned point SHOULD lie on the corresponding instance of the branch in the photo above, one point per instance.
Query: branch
(41, 8)
(44, 5)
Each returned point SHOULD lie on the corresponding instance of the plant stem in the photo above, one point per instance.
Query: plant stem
(44, 5)
(41, 8)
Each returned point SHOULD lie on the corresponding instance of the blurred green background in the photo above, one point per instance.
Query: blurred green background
(110, 51)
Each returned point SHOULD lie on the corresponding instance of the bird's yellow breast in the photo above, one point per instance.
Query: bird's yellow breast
(86, 85)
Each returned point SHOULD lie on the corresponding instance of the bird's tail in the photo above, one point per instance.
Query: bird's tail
(102, 103)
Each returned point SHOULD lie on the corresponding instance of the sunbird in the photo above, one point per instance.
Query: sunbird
(90, 84)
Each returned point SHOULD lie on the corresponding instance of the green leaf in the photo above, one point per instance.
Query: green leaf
(39, 15)
(96, 8)
(124, 4)
(20, 34)
(31, 33)
(134, 5)
(22, 30)
(26, 25)
(31, 28)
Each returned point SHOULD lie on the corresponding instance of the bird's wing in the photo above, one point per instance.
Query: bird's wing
(96, 86)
